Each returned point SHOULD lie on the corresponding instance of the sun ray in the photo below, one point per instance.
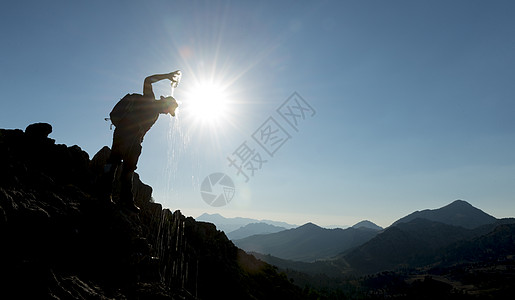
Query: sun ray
(206, 102)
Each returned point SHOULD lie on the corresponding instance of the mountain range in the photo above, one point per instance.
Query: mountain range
(421, 238)
(228, 225)
(307, 243)
(453, 234)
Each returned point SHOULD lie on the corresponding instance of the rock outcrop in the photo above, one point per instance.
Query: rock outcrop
(59, 241)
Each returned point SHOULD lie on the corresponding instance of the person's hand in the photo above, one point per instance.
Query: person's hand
(175, 77)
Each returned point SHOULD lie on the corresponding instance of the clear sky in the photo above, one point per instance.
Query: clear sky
(414, 101)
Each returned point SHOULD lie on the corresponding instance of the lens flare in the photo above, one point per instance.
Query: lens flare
(207, 102)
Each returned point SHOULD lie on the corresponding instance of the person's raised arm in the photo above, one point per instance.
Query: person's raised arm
(147, 84)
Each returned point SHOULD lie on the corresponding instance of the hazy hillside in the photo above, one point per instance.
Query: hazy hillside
(480, 267)
(417, 243)
(308, 242)
(496, 244)
(416, 257)
(230, 224)
(457, 213)
(406, 244)
(413, 244)
(326, 267)
(253, 229)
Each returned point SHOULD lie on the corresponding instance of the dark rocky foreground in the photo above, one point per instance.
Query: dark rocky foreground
(59, 241)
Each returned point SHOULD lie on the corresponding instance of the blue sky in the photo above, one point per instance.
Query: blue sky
(414, 100)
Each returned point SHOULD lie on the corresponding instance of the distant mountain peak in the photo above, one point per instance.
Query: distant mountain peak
(309, 225)
(459, 203)
(207, 214)
(367, 224)
(253, 229)
(457, 213)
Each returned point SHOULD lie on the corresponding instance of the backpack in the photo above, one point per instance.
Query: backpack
(123, 108)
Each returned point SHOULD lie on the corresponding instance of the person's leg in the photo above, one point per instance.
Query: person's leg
(130, 162)
(126, 195)
(112, 164)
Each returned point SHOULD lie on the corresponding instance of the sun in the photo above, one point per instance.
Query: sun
(207, 102)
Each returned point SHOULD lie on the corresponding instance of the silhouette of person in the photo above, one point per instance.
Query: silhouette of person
(128, 136)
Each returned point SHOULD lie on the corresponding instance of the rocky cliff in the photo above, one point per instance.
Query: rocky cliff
(60, 241)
